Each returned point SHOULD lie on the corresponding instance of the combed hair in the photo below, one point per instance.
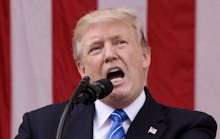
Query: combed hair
(106, 15)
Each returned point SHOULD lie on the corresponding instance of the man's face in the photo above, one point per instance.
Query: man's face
(110, 50)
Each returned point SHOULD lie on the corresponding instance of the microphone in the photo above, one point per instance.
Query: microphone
(87, 94)
(94, 91)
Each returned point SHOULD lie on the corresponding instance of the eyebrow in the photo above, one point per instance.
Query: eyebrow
(94, 41)
(115, 37)
(100, 40)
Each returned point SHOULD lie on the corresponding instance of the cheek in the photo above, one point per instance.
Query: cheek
(135, 65)
(134, 59)
(93, 64)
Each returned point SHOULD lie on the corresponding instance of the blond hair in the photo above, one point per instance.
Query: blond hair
(106, 15)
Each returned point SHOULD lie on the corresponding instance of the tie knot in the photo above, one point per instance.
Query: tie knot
(118, 115)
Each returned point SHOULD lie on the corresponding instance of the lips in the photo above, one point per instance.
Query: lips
(115, 75)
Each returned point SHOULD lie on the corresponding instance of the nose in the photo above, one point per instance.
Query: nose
(110, 54)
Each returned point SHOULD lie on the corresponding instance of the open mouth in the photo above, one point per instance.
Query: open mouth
(115, 75)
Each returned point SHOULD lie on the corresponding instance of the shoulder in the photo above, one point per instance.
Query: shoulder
(185, 115)
(42, 122)
(189, 123)
(179, 118)
(52, 109)
(47, 114)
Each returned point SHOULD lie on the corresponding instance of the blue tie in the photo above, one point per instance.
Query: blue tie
(117, 131)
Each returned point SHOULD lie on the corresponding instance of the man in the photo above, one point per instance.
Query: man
(110, 44)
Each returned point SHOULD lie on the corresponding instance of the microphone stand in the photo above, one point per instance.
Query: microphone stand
(70, 105)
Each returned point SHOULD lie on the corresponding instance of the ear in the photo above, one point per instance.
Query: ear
(146, 57)
(81, 69)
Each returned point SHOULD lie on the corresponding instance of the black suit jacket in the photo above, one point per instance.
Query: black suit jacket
(167, 122)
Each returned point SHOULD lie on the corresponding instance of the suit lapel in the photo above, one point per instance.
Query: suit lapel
(80, 123)
(148, 122)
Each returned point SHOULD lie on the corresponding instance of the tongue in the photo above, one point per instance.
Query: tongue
(116, 79)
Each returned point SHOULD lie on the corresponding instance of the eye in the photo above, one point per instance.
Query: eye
(95, 49)
(120, 43)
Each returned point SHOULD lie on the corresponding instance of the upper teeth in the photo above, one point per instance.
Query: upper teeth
(114, 70)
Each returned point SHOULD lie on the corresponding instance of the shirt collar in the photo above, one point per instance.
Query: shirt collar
(103, 111)
(133, 109)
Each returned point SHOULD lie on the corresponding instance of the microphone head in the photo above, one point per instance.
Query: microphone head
(105, 86)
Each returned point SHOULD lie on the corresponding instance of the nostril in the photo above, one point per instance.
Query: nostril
(109, 59)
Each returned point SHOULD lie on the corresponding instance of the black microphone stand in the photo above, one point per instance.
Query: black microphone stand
(70, 105)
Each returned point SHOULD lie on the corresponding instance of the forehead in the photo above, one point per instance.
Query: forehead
(108, 30)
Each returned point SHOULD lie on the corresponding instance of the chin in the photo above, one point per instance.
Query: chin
(114, 101)
(117, 95)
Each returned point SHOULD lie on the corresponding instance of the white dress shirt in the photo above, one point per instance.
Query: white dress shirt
(101, 123)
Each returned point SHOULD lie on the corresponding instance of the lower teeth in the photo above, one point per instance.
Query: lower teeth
(116, 79)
